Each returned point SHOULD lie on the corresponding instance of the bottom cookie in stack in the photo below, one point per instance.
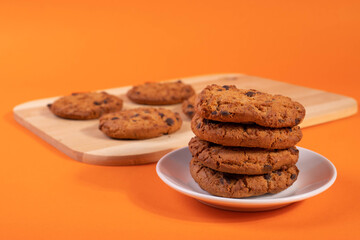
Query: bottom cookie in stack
(237, 172)
(239, 185)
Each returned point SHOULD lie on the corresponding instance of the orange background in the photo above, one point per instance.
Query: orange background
(50, 49)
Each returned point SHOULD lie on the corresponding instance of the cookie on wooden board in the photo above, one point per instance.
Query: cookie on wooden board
(230, 104)
(188, 106)
(164, 93)
(140, 123)
(87, 105)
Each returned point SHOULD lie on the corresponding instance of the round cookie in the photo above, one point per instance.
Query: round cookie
(238, 160)
(188, 106)
(230, 104)
(160, 93)
(83, 106)
(245, 135)
(140, 123)
(237, 185)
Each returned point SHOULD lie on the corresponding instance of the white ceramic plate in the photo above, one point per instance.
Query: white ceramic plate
(316, 175)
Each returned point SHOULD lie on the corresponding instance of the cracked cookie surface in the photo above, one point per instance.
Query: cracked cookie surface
(154, 93)
(230, 104)
(140, 123)
(239, 160)
(83, 106)
(245, 135)
(237, 185)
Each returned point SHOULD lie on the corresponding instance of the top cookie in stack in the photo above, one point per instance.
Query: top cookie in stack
(229, 104)
(246, 129)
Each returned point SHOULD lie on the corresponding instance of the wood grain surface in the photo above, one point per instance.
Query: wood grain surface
(82, 141)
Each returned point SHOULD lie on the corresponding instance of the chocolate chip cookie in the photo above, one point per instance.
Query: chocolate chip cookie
(245, 135)
(237, 185)
(83, 106)
(160, 93)
(140, 123)
(188, 106)
(238, 160)
(230, 104)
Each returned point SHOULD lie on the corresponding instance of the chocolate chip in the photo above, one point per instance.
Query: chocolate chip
(278, 172)
(293, 150)
(227, 177)
(179, 81)
(74, 94)
(114, 118)
(169, 121)
(224, 113)
(293, 176)
(191, 113)
(206, 121)
(267, 176)
(217, 163)
(105, 101)
(297, 121)
(267, 167)
(161, 114)
(137, 92)
(190, 106)
(135, 115)
(226, 87)
(290, 129)
(222, 181)
(97, 103)
(281, 120)
(250, 94)
(177, 119)
(214, 113)
(49, 105)
(198, 125)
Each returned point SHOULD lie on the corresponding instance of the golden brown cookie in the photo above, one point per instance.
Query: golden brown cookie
(83, 106)
(188, 106)
(140, 123)
(160, 93)
(239, 160)
(230, 104)
(245, 135)
(237, 185)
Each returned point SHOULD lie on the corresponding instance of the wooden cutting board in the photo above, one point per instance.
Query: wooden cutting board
(82, 141)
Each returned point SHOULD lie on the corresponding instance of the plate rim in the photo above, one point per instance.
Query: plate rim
(253, 202)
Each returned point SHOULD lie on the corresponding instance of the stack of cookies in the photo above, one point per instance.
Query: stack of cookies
(245, 141)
